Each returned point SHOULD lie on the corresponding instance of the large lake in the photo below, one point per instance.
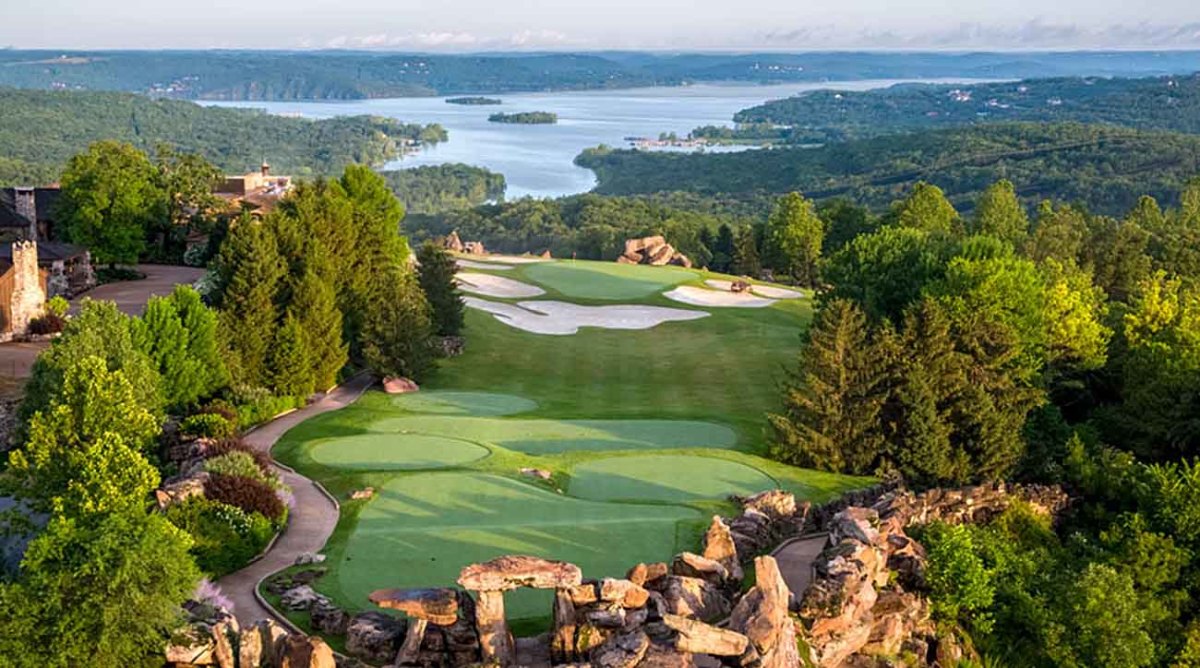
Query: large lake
(537, 160)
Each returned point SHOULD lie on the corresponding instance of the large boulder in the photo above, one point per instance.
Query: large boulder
(700, 638)
(297, 651)
(191, 646)
(328, 618)
(623, 650)
(374, 636)
(762, 616)
(437, 605)
(515, 571)
(300, 599)
(693, 597)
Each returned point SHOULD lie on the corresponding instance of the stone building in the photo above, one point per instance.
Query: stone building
(22, 289)
(27, 214)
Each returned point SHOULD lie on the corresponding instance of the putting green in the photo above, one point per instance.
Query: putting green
(547, 436)
(421, 529)
(665, 478)
(445, 402)
(395, 452)
(605, 280)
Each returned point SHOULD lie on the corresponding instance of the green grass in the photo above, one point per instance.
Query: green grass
(668, 478)
(645, 434)
(604, 280)
(545, 436)
(421, 529)
(395, 452)
(448, 402)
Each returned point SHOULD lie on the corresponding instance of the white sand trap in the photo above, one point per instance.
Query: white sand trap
(689, 294)
(514, 259)
(760, 290)
(472, 264)
(496, 286)
(562, 318)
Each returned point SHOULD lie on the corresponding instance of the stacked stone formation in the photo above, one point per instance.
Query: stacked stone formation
(652, 250)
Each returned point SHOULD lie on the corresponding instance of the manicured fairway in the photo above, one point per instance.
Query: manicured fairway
(605, 280)
(395, 452)
(665, 478)
(446, 402)
(421, 529)
(546, 436)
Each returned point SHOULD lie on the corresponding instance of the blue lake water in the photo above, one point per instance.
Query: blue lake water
(537, 160)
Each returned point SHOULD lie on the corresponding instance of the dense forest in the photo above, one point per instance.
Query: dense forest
(283, 75)
(525, 118)
(437, 188)
(40, 131)
(1104, 167)
(1163, 103)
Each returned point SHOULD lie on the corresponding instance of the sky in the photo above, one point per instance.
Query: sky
(482, 25)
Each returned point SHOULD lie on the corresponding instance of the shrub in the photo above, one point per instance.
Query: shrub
(220, 407)
(224, 537)
(226, 445)
(58, 306)
(207, 425)
(248, 493)
(960, 584)
(241, 463)
(264, 409)
(47, 323)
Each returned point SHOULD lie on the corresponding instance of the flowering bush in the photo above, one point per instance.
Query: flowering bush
(241, 463)
(224, 538)
(226, 445)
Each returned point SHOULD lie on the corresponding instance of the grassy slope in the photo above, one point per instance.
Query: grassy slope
(721, 369)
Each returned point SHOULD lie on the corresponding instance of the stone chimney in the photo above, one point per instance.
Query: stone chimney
(26, 206)
(28, 297)
(266, 170)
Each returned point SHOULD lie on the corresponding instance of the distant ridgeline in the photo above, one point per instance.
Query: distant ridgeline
(339, 75)
(1103, 167)
(525, 118)
(40, 131)
(473, 101)
(1162, 103)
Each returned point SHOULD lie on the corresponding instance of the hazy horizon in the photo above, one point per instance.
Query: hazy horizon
(670, 25)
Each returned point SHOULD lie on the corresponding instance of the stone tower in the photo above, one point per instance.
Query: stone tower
(28, 297)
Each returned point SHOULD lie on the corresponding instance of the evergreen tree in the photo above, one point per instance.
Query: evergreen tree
(793, 236)
(398, 331)
(999, 214)
(291, 364)
(723, 249)
(926, 208)
(435, 272)
(833, 399)
(745, 255)
(1060, 234)
(380, 252)
(179, 334)
(253, 273)
(1116, 253)
(315, 309)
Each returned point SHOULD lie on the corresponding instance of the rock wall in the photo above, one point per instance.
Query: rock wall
(863, 608)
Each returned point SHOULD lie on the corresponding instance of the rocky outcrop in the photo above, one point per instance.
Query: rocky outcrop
(652, 250)
(762, 616)
(374, 636)
(215, 639)
(399, 385)
(453, 243)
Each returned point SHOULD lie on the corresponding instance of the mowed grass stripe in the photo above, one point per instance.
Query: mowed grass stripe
(395, 452)
(585, 279)
(669, 478)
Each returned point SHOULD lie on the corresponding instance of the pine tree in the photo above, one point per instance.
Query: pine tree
(833, 400)
(723, 249)
(745, 255)
(397, 333)
(253, 272)
(291, 365)
(999, 214)
(204, 346)
(179, 334)
(435, 273)
(315, 309)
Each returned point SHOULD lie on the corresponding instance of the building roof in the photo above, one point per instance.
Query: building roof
(48, 251)
(44, 199)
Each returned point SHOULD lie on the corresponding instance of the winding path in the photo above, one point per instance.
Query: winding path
(796, 558)
(311, 521)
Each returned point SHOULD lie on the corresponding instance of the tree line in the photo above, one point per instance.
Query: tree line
(950, 349)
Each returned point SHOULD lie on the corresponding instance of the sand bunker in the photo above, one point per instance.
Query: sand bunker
(562, 318)
(760, 290)
(496, 286)
(472, 264)
(689, 294)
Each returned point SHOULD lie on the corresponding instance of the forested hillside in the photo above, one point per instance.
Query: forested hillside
(1164, 103)
(1105, 168)
(434, 188)
(283, 75)
(40, 131)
